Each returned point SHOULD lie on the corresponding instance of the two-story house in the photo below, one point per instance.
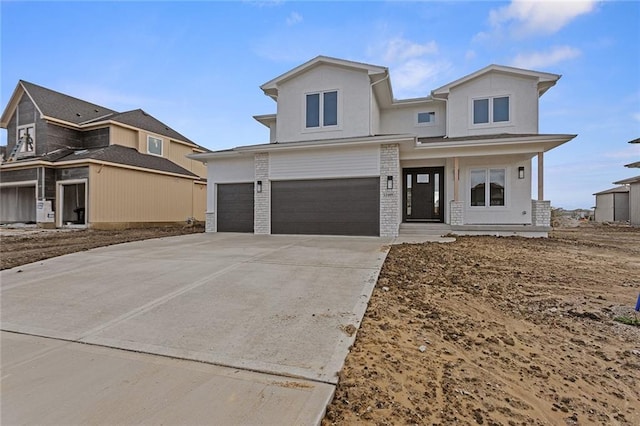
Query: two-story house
(73, 163)
(345, 157)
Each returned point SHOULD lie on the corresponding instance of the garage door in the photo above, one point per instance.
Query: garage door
(18, 204)
(326, 207)
(235, 207)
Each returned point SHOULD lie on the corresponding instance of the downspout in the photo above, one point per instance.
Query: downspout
(371, 101)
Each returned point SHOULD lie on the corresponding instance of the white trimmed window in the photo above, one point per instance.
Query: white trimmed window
(154, 145)
(491, 110)
(321, 109)
(426, 118)
(488, 187)
(27, 135)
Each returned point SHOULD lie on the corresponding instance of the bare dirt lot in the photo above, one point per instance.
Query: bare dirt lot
(26, 245)
(496, 331)
(500, 331)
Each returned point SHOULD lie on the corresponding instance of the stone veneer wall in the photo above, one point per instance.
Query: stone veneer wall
(540, 213)
(389, 198)
(456, 209)
(262, 206)
(210, 223)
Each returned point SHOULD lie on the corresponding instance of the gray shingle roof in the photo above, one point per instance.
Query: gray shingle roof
(140, 119)
(64, 107)
(116, 154)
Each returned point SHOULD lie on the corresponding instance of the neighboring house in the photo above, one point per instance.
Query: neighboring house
(345, 157)
(69, 162)
(634, 191)
(612, 205)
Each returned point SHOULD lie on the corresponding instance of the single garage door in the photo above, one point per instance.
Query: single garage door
(326, 207)
(235, 207)
(18, 204)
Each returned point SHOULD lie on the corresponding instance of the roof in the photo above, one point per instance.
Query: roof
(635, 141)
(270, 88)
(545, 80)
(58, 106)
(633, 165)
(55, 105)
(442, 139)
(628, 181)
(616, 190)
(112, 154)
(140, 119)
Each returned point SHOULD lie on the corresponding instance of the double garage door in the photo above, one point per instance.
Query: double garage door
(318, 207)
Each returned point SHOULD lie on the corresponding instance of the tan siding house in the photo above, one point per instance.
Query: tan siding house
(71, 163)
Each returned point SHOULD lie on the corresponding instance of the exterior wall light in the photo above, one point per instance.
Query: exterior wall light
(521, 172)
(389, 182)
(259, 186)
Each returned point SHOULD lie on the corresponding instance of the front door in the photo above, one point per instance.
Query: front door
(423, 194)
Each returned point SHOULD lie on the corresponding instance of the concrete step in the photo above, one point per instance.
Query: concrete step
(431, 229)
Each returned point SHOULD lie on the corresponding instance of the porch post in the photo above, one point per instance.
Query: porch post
(540, 176)
(456, 179)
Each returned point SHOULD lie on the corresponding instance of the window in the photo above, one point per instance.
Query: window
(154, 145)
(322, 109)
(494, 192)
(425, 118)
(27, 135)
(491, 110)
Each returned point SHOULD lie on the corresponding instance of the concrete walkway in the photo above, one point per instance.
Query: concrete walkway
(111, 335)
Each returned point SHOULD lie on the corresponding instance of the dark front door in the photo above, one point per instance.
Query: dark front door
(423, 194)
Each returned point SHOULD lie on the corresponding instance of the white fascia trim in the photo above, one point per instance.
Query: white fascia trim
(498, 141)
(303, 145)
(18, 183)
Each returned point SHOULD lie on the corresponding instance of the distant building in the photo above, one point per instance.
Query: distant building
(71, 163)
(612, 205)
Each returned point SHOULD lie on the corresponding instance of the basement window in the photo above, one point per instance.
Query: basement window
(154, 145)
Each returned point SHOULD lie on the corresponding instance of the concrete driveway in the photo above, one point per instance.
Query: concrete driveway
(269, 317)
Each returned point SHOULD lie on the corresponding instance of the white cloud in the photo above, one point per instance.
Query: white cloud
(294, 18)
(630, 152)
(470, 55)
(527, 17)
(544, 59)
(399, 49)
(636, 116)
(413, 77)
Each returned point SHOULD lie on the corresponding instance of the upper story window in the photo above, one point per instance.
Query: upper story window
(154, 145)
(494, 192)
(491, 110)
(322, 109)
(27, 136)
(426, 118)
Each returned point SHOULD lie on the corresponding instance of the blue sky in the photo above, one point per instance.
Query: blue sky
(198, 66)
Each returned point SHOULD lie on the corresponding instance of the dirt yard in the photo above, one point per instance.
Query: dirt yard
(25, 245)
(500, 331)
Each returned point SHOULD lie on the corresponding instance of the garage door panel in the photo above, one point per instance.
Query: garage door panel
(326, 207)
(235, 207)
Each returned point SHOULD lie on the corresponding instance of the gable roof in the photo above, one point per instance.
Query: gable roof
(58, 106)
(270, 88)
(140, 119)
(545, 80)
(633, 165)
(637, 140)
(54, 105)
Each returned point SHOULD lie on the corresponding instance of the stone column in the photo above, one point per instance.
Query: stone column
(390, 198)
(541, 213)
(456, 212)
(262, 200)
